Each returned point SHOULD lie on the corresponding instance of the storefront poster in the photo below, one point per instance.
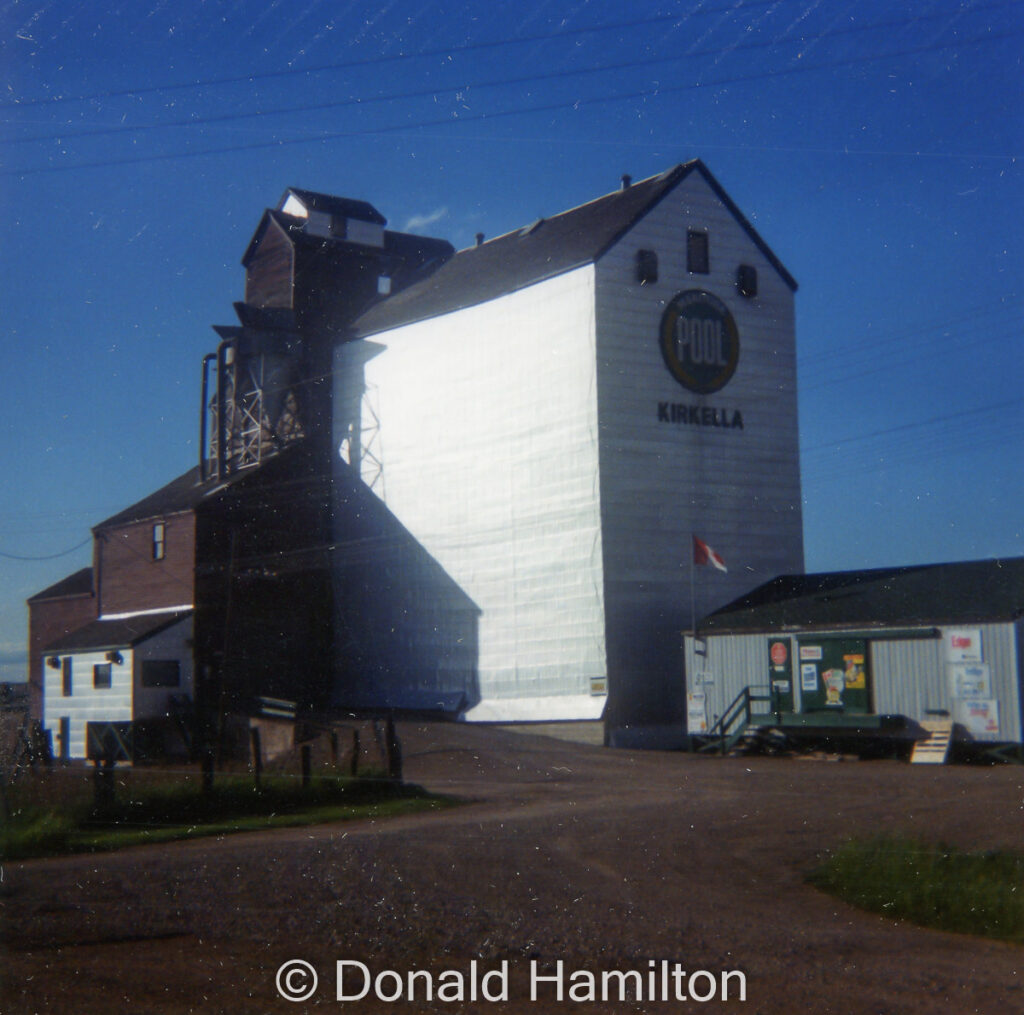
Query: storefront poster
(696, 713)
(808, 676)
(835, 683)
(980, 716)
(969, 680)
(963, 645)
(853, 671)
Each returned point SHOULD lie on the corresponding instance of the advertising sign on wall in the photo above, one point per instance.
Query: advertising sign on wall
(969, 680)
(980, 716)
(699, 341)
(808, 677)
(696, 713)
(834, 675)
(963, 645)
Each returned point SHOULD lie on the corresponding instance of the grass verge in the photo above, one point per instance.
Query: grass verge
(167, 813)
(931, 885)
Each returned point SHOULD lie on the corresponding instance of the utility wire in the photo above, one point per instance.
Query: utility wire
(52, 556)
(646, 93)
(378, 60)
(464, 87)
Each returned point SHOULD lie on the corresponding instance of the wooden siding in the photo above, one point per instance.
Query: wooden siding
(269, 274)
(48, 620)
(130, 580)
(86, 704)
(125, 700)
(173, 643)
(263, 599)
(737, 489)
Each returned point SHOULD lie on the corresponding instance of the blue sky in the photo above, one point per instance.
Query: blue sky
(875, 146)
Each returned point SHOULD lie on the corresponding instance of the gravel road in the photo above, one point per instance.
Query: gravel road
(604, 860)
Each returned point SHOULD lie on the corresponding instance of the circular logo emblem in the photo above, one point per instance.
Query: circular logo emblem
(699, 341)
(779, 653)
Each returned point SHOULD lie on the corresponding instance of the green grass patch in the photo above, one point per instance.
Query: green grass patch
(164, 813)
(931, 885)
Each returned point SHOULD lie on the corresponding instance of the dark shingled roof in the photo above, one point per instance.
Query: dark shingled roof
(406, 246)
(77, 584)
(976, 591)
(181, 494)
(344, 207)
(542, 250)
(99, 635)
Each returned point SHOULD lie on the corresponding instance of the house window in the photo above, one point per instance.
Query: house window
(161, 673)
(101, 675)
(697, 252)
(646, 267)
(159, 541)
(65, 676)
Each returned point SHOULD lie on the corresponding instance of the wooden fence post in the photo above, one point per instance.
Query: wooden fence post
(394, 751)
(257, 756)
(207, 764)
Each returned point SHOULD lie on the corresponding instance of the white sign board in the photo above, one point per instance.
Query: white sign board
(696, 713)
(963, 644)
(969, 680)
(808, 677)
(980, 716)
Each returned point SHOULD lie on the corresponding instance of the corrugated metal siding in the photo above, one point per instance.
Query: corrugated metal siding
(734, 662)
(1019, 648)
(909, 676)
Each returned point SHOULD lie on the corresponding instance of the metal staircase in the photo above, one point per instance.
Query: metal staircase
(735, 722)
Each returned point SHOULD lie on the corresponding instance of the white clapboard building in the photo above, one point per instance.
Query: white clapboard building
(550, 417)
(115, 671)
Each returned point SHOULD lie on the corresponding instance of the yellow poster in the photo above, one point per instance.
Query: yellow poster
(854, 671)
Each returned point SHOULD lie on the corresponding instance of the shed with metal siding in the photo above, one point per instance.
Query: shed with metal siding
(938, 638)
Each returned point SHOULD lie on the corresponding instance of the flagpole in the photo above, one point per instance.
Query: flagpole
(693, 594)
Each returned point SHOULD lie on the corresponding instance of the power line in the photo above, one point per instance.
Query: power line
(911, 426)
(466, 86)
(646, 93)
(379, 59)
(52, 556)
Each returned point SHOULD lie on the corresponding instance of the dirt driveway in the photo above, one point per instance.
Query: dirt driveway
(605, 860)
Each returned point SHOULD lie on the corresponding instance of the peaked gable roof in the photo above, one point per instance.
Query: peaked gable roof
(344, 207)
(124, 632)
(975, 591)
(181, 494)
(77, 584)
(542, 250)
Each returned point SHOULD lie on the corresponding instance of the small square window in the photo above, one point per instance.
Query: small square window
(161, 673)
(66, 687)
(101, 673)
(159, 541)
(697, 260)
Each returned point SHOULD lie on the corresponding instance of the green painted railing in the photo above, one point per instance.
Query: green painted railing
(729, 728)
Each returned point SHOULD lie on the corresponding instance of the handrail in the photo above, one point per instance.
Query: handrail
(740, 706)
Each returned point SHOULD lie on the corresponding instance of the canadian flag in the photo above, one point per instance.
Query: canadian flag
(703, 554)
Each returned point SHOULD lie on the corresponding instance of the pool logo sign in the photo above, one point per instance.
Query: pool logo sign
(699, 341)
